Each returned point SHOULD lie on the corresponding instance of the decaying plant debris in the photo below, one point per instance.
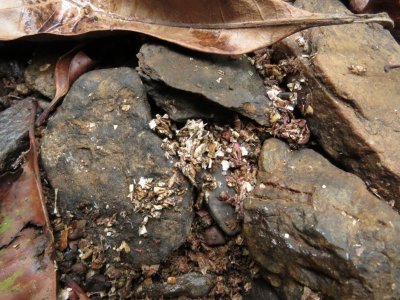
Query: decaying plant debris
(26, 240)
(152, 197)
(282, 86)
(202, 150)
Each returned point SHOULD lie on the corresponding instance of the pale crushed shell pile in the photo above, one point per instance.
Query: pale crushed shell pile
(151, 197)
(200, 151)
(282, 86)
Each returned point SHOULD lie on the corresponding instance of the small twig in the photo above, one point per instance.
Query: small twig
(389, 67)
(76, 288)
(55, 203)
(33, 150)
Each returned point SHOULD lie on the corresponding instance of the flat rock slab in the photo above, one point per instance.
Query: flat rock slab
(356, 117)
(312, 226)
(191, 85)
(14, 127)
(96, 149)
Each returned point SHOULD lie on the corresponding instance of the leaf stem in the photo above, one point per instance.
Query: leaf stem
(306, 22)
(390, 67)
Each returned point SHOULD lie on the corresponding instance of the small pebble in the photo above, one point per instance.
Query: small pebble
(79, 268)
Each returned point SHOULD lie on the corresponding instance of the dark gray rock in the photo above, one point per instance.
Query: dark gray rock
(223, 213)
(260, 290)
(39, 75)
(312, 225)
(11, 72)
(95, 147)
(14, 127)
(356, 118)
(11, 67)
(192, 285)
(214, 237)
(192, 85)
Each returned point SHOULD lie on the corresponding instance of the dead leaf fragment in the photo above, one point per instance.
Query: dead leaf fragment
(26, 256)
(124, 247)
(63, 239)
(358, 70)
(220, 26)
(68, 68)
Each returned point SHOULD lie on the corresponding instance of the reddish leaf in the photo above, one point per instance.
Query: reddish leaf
(68, 68)
(76, 288)
(219, 26)
(27, 268)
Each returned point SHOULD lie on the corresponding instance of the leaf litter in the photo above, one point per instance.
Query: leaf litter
(283, 84)
(68, 68)
(203, 150)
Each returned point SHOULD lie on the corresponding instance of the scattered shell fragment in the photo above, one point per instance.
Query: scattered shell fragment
(284, 123)
(200, 149)
(125, 107)
(142, 230)
(358, 70)
(124, 247)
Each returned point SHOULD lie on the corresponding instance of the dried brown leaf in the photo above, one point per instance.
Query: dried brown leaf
(68, 68)
(26, 240)
(63, 244)
(220, 26)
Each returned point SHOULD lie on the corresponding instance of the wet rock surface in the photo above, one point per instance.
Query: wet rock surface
(311, 224)
(98, 151)
(192, 285)
(205, 87)
(356, 114)
(14, 126)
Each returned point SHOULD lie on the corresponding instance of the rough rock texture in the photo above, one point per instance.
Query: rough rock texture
(223, 213)
(14, 126)
(214, 237)
(356, 118)
(192, 285)
(311, 224)
(261, 290)
(95, 147)
(39, 75)
(10, 68)
(204, 87)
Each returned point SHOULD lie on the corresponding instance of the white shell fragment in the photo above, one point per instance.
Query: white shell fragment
(142, 230)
